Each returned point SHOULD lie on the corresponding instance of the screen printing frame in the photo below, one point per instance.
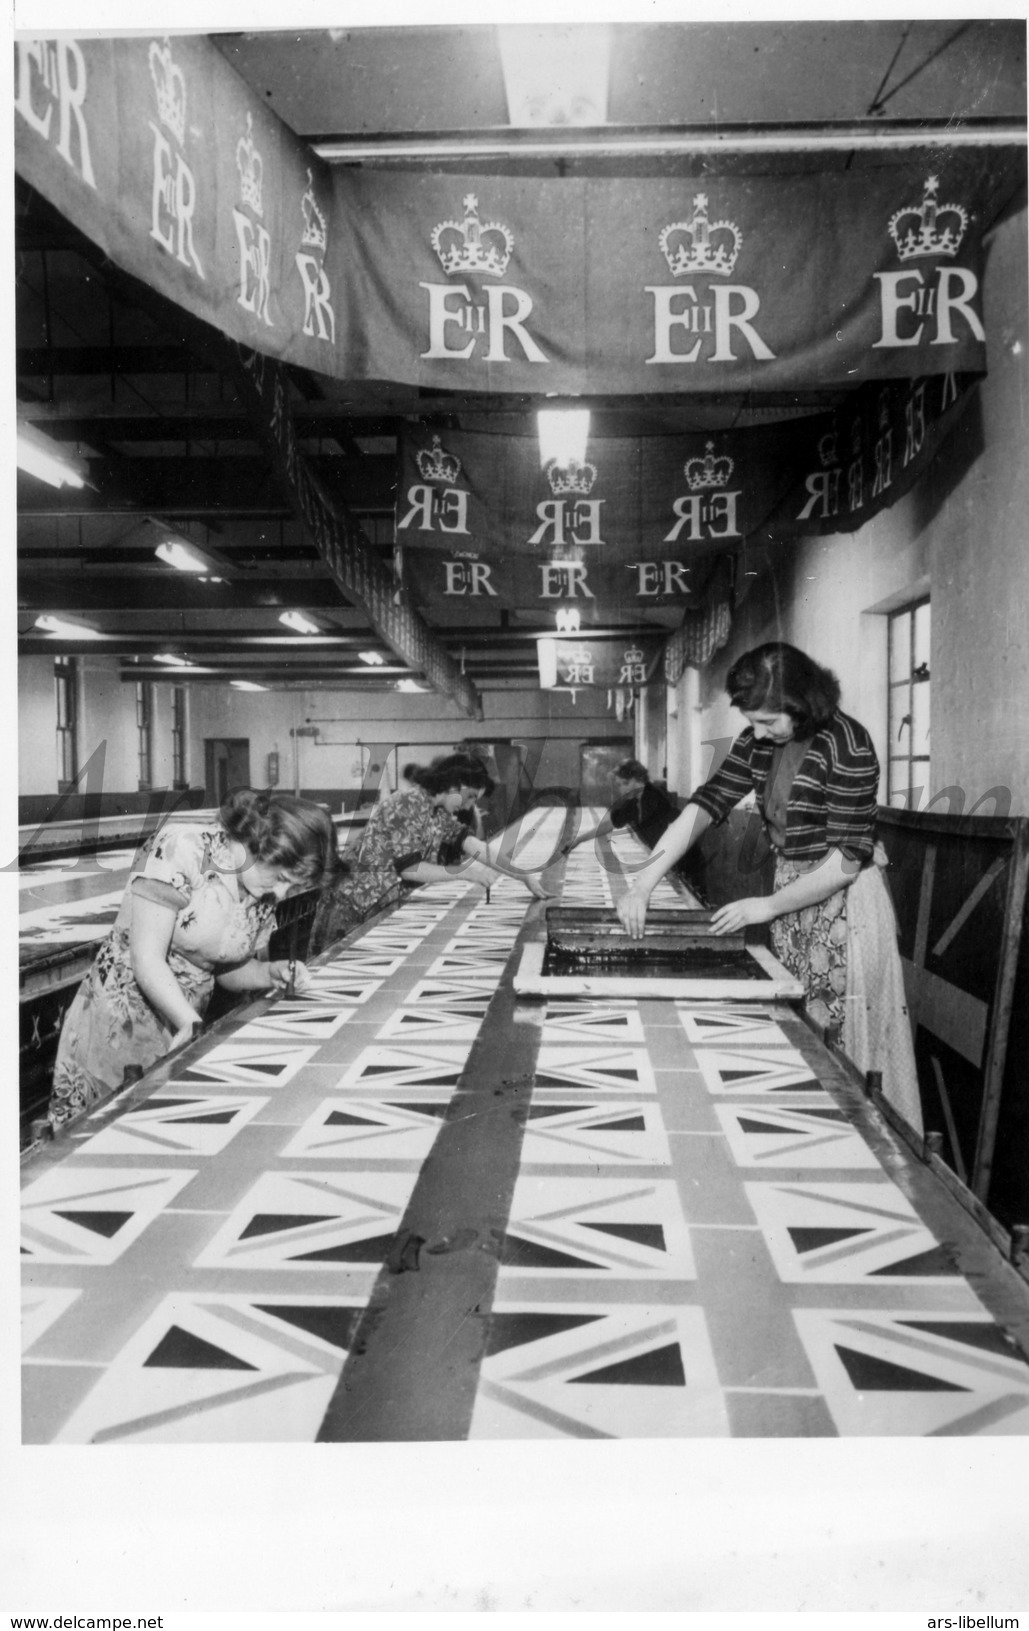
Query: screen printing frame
(778, 984)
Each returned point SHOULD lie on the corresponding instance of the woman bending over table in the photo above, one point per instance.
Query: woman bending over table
(199, 907)
(815, 775)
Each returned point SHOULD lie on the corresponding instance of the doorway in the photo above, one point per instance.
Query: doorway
(226, 766)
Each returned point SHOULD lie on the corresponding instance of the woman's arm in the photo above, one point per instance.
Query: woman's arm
(150, 934)
(259, 975)
(481, 856)
(688, 826)
(837, 871)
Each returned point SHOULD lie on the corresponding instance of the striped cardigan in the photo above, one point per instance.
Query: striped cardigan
(832, 803)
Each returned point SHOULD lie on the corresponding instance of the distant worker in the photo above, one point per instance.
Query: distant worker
(638, 804)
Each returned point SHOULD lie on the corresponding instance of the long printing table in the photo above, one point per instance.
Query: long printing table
(418, 1206)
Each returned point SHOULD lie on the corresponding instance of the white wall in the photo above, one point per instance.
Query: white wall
(349, 725)
(961, 536)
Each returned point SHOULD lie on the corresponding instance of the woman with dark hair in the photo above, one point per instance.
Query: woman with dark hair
(199, 907)
(638, 804)
(814, 774)
(414, 838)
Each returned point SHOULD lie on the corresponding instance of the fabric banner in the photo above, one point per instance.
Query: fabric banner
(638, 522)
(163, 156)
(604, 664)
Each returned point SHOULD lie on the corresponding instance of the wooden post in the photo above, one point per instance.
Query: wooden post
(1000, 1020)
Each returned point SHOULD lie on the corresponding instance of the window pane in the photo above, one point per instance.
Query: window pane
(920, 718)
(900, 646)
(922, 635)
(900, 707)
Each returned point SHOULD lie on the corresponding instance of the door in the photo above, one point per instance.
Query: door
(226, 766)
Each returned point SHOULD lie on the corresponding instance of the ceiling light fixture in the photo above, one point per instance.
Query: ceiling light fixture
(40, 457)
(375, 659)
(172, 661)
(410, 685)
(555, 75)
(247, 685)
(563, 434)
(180, 554)
(64, 630)
(299, 623)
(567, 620)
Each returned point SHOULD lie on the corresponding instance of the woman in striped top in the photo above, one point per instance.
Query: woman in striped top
(814, 774)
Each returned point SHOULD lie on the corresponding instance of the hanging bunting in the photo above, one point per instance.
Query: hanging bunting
(638, 523)
(160, 153)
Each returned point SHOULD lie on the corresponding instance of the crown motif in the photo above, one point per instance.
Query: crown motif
(708, 471)
(928, 228)
(580, 655)
(827, 449)
(251, 168)
(472, 245)
(634, 655)
(316, 229)
(170, 85)
(436, 464)
(572, 477)
(711, 246)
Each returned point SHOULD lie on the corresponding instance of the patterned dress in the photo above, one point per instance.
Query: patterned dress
(111, 1033)
(816, 796)
(402, 830)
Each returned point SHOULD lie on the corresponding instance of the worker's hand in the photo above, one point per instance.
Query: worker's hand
(632, 911)
(739, 913)
(281, 971)
(477, 872)
(537, 889)
(186, 1033)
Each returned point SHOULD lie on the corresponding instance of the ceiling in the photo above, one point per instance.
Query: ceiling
(140, 391)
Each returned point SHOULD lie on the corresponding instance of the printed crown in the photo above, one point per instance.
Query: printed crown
(634, 655)
(928, 228)
(827, 449)
(572, 477)
(316, 229)
(708, 471)
(472, 245)
(251, 168)
(700, 244)
(170, 85)
(436, 464)
(581, 655)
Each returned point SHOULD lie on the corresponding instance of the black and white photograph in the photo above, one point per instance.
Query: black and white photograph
(518, 834)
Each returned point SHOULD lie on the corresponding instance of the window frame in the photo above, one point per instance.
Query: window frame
(180, 737)
(66, 706)
(907, 774)
(145, 735)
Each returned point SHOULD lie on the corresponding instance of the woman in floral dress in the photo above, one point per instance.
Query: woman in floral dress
(414, 837)
(814, 774)
(199, 907)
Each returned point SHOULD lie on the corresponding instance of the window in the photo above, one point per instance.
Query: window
(145, 732)
(180, 769)
(67, 723)
(908, 773)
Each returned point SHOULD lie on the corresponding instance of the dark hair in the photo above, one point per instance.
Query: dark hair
(284, 831)
(632, 771)
(778, 679)
(445, 776)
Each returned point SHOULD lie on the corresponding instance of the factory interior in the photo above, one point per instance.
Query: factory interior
(393, 396)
